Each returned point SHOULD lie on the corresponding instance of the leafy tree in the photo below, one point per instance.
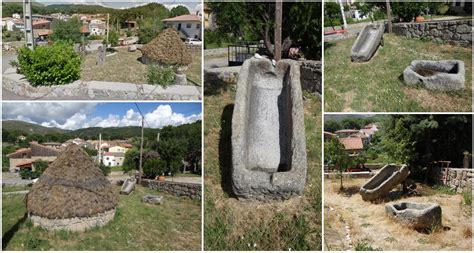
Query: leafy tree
(5, 160)
(113, 38)
(336, 156)
(332, 13)
(40, 167)
(332, 126)
(301, 24)
(178, 11)
(105, 169)
(154, 167)
(67, 30)
(408, 10)
(90, 152)
(131, 160)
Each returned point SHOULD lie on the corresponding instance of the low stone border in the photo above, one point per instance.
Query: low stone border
(78, 224)
(98, 90)
(192, 191)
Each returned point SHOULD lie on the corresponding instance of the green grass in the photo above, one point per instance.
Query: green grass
(175, 225)
(376, 85)
(15, 188)
(237, 225)
(442, 189)
(116, 168)
(126, 67)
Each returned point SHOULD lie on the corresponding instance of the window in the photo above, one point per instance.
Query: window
(188, 25)
(198, 26)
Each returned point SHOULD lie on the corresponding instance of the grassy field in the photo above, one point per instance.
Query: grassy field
(175, 225)
(116, 168)
(376, 85)
(368, 227)
(231, 224)
(126, 67)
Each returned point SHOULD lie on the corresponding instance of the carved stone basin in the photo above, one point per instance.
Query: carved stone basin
(268, 139)
(436, 75)
(415, 215)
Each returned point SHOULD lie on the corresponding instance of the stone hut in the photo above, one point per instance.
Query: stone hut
(71, 194)
(166, 49)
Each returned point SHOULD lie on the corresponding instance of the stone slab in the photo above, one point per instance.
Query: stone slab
(367, 43)
(384, 181)
(415, 215)
(436, 75)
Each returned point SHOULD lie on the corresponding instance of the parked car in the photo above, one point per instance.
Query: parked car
(193, 42)
(358, 168)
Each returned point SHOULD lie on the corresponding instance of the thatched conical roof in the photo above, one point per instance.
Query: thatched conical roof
(168, 48)
(71, 186)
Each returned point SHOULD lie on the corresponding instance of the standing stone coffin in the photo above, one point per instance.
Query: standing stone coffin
(268, 136)
(71, 194)
(383, 182)
(436, 75)
(367, 43)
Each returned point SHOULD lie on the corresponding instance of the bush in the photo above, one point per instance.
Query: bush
(105, 169)
(96, 37)
(163, 76)
(153, 168)
(50, 65)
(467, 196)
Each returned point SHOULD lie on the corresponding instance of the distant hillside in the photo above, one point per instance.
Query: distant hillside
(30, 128)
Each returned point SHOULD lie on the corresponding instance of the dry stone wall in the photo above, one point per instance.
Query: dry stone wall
(192, 191)
(458, 179)
(454, 32)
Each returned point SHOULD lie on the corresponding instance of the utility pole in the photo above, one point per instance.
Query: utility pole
(100, 148)
(28, 21)
(278, 18)
(141, 154)
(108, 28)
(389, 16)
(342, 13)
(158, 137)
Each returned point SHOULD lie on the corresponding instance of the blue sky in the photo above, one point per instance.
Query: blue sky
(75, 115)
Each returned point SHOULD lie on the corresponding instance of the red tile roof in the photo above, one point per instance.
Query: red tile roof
(352, 143)
(347, 131)
(188, 17)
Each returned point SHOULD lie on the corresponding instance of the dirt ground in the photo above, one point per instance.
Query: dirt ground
(350, 221)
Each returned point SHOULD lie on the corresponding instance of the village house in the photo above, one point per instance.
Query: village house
(13, 24)
(60, 16)
(97, 29)
(42, 24)
(56, 145)
(352, 145)
(119, 149)
(209, 18)
(25, 157)
(16, 16)
(346, 132)
(188, 26)
(113, 158)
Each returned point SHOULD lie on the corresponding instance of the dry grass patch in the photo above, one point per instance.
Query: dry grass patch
(385, 233)
(126, 67)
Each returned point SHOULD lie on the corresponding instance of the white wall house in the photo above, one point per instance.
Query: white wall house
(188, 26)
(118, 149)
(113, 159)
(14, 24)
(97, 29)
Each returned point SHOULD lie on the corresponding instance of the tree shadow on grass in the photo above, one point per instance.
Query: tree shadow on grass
(225, 149)
(11, 232)
(349, 191)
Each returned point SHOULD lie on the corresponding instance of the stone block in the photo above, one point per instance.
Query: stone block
(367, 43)
(436, 75)
(268, 140)
(415, 215)
(464, 29)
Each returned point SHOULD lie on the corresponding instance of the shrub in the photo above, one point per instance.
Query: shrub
(50, 65)
(153, 168)
(105, 169)
(467, 196)
(365, 245)
(163, 76)
(96, 37)
(40, 167)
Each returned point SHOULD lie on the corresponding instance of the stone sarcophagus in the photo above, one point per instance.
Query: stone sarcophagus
(415, 215)
(436, 75)
(367, 43)
(384, 181)
(268, 137)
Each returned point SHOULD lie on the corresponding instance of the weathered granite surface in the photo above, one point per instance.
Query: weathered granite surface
(367, 43)
(268, 140)
(78, 224)
(383, 182)
(415, 215)
(436, 75)
(153, 199)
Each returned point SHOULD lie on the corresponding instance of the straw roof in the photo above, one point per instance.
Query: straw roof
(72, 186)
(168, 48)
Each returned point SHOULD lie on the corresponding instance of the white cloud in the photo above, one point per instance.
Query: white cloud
(78, 115)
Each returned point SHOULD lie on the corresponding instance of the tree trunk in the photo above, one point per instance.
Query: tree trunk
(389, 16)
